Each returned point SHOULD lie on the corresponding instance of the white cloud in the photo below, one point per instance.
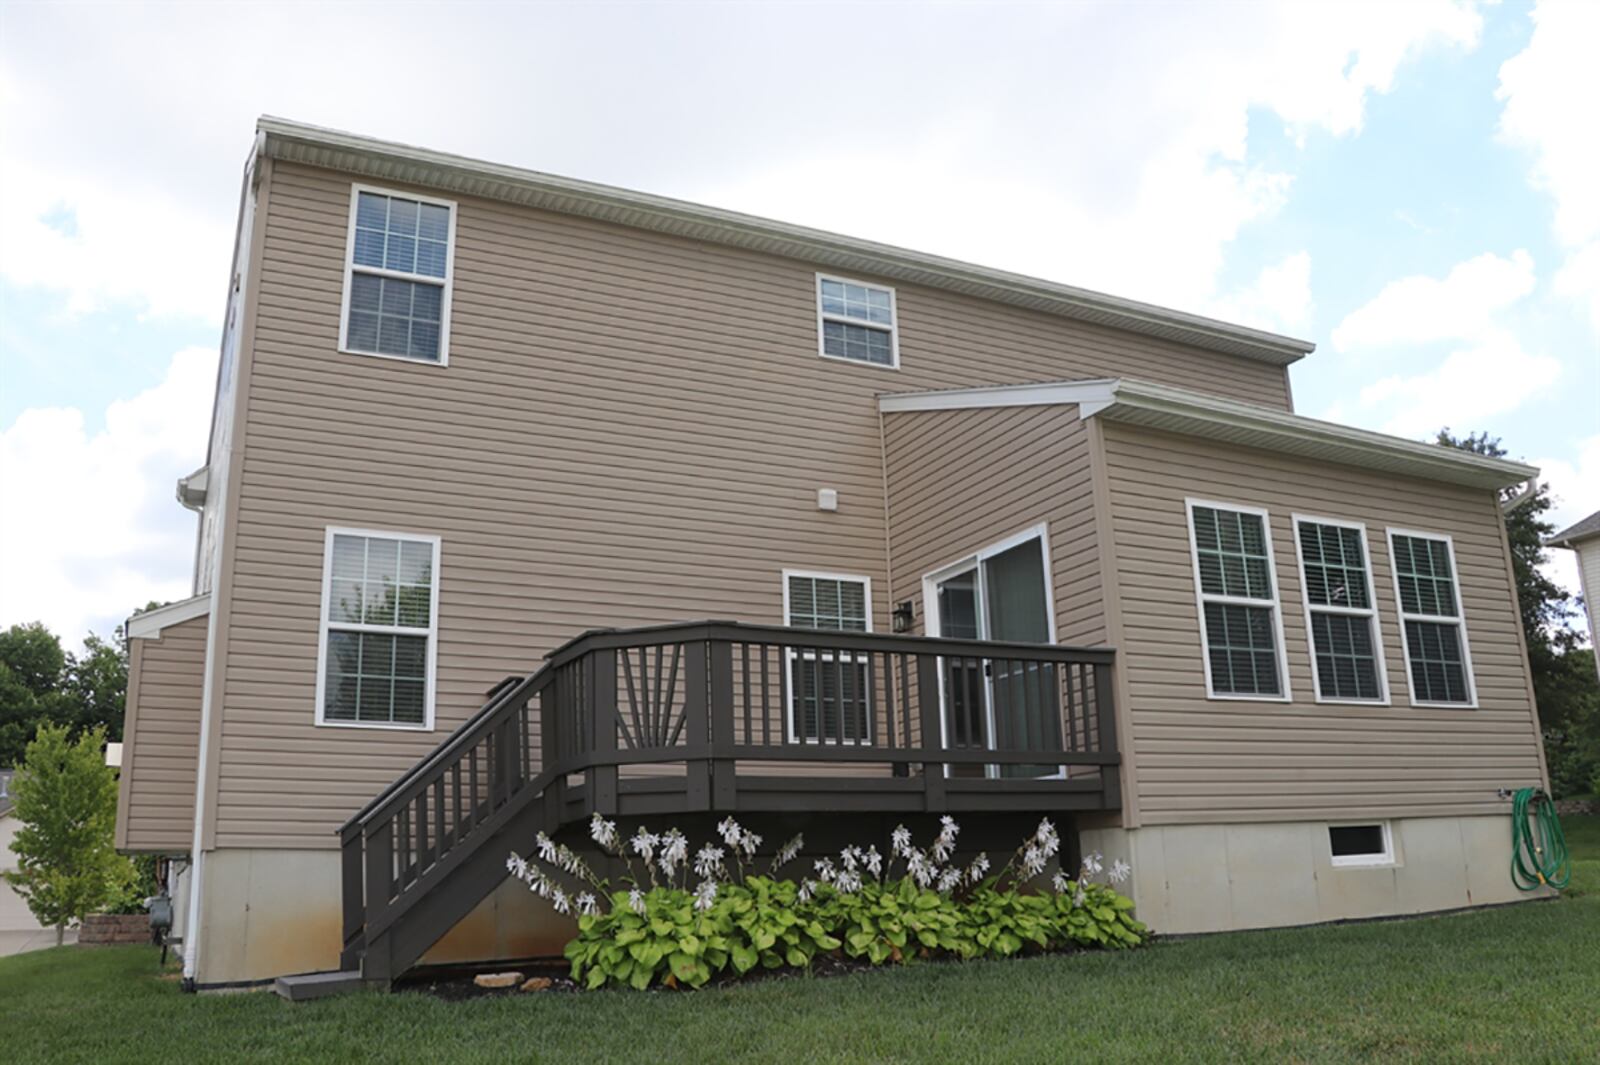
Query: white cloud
(95, 532)
(1459, 306)
(1278, 299)
(1549, 90)
(1492, 376)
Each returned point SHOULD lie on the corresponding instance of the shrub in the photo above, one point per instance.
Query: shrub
(913, 904)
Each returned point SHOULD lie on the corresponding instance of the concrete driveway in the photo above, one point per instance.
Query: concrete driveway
(19, 941)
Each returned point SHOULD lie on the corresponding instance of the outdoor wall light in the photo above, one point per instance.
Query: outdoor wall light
(903, 615)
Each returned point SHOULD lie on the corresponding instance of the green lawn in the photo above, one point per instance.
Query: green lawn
(1516, 984)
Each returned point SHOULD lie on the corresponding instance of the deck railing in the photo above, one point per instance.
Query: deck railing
(725, 716)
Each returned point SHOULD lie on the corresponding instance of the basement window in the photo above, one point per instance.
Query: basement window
(856, 322)
(398, 269)
(1361, 844)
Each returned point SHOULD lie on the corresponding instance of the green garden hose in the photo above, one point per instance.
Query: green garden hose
(1539, 856)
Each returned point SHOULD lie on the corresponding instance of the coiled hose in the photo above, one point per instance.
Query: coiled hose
(1539, 856)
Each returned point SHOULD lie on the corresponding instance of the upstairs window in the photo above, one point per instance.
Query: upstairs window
(856, 322)
(1346, 652)
(1241, 630)
(379, 623)
(830, 697)
(1437, 661)
(397, 276)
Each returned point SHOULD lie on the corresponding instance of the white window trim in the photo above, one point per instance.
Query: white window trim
(1460, 620)
(1363, 861)
(894, 323)
(1201, 598)
(789, 655)
(350, 269)
(400, 630)
(1370, 612)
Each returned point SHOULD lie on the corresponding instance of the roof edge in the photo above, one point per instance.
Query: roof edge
(352, 153)
(150, 624)
(1579, 532)
(1180, 410)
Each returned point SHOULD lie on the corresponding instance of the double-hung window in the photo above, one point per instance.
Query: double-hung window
(1437, 659)
(380, 607)
(1341, 619)
(830, 691)
(1241, 630)
(398, 268)
(856, 322)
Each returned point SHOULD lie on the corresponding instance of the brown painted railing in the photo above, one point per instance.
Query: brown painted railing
(729, 717)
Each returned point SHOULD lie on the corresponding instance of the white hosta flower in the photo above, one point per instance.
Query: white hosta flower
(603, 832)
(558, 899)
(674, 850)
(787, 853)
(949, 880)
(945, 844)
(1033, 861)
(636, 901)
(1091, 863)
(705, 896)
(807, 889)
(979, 866)
(1060, 883)
(847, 883)
(901, 839)
(568, 860)
(922, 871)
(748, 843)
(874, 861)
(1120, 871)
(645, 843)
(847, 858)
(708, 862)
(517, 866)
(824, 868)
(588, 905)
(730, 831)
(1079, 896)
(547, 848)
(1047, 838)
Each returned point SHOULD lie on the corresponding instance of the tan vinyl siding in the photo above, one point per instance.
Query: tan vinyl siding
(631, 429)
(1211, 761)
(960, 480)
(161, 749)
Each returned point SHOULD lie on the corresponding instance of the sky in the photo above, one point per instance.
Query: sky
(1415, 186)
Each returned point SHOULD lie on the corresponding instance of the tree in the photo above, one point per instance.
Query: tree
(1564, 682)
(96, 684)
(66, 799)
(32, 667)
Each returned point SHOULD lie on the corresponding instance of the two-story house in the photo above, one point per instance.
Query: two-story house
(729, 515)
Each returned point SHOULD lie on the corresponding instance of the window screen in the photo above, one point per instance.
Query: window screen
(397, 284)
(1239, 614)
(380, 622)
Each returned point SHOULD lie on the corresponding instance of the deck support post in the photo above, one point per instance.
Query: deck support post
(1106, 724)
(601, 683)
(697, 724)
(724, 784)
(931, 723)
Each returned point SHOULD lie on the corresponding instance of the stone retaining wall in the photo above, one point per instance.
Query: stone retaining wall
(103, 929)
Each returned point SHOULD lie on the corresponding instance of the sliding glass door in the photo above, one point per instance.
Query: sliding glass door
(1001, 593)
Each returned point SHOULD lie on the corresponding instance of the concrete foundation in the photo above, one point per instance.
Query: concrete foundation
(269, 913)
(1216, 878)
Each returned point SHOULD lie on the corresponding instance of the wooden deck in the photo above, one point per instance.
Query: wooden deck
(721, 717)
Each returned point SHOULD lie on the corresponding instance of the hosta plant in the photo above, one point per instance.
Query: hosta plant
(684, 917)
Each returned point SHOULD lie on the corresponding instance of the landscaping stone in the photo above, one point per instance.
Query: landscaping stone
(497, 980)
(538, 983)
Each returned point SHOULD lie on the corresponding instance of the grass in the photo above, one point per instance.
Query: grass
(1518, 983)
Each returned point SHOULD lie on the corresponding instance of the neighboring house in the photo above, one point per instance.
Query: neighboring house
(1583, 539)
(985, 545)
